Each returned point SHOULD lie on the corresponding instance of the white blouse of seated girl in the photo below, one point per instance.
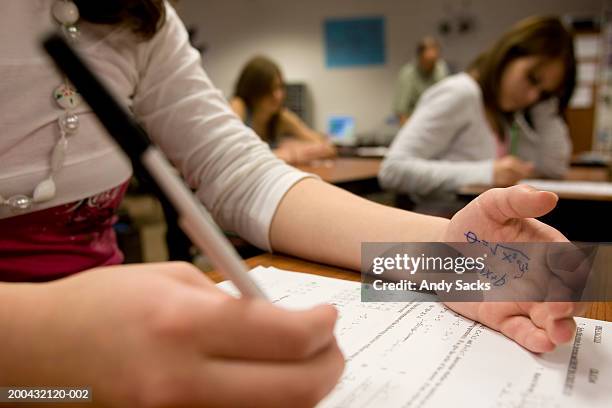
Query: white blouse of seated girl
(495, 124)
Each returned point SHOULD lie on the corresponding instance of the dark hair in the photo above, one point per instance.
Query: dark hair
(534, 36)
(425, 43)
(143, 17)
(256, 81)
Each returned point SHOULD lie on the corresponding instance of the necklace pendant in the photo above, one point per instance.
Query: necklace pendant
(58, 155)
(65, 12)
(69, 123)
(66, 97)
(45, 191)
(71, 32)
(19, 203)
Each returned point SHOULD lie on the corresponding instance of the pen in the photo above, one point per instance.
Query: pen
(148, 160)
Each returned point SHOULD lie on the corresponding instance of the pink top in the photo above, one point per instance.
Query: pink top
(59, 241)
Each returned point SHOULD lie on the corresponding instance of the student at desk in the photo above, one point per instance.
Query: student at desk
(163, 334)
(258, 100)
(496, 124)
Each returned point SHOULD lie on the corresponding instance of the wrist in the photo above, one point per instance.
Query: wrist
(441, 226)
(424, 228)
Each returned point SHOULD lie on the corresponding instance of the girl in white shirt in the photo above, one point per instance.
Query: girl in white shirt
(496, 124)
(162, 334)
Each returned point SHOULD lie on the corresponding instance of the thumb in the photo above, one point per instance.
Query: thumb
(522, 201)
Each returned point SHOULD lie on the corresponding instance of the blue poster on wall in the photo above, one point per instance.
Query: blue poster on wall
(354, 42)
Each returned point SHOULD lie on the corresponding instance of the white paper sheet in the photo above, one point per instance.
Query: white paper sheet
(571, 187)
(421, 354)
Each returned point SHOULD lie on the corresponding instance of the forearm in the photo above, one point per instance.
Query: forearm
(309, 135)
(292, 125)
(323, 223)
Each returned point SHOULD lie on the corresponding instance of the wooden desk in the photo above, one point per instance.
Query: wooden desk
(359, 176)
(589, 173)
(600, 310)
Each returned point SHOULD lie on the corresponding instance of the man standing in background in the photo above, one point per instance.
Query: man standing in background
(415, 78)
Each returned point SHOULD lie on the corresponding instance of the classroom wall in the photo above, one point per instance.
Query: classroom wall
(291, 32)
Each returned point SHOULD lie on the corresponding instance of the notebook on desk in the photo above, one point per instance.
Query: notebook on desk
(421, 354)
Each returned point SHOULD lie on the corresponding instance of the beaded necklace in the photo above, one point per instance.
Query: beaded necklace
(68, 99)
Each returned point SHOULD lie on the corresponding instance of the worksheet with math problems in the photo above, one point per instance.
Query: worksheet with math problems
(422, 354)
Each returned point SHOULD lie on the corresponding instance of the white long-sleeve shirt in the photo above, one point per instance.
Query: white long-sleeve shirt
(448, 143)
(161, 80)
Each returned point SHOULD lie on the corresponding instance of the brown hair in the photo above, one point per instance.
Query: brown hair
(535, 36)
(256, 81)
(143, 17)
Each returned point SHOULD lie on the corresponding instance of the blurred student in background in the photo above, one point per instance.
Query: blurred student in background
(416, 77)
(259, 99)
(496, 124)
